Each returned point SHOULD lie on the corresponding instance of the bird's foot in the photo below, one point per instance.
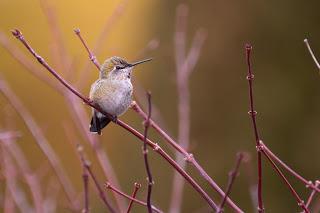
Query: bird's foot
(114, 118)
(89, 101)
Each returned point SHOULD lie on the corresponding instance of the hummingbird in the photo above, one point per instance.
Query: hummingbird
(112, 92)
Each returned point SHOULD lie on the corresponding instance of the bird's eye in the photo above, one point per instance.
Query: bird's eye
(118, 67)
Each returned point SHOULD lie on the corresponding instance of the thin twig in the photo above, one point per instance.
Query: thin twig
(78, 113)
(87, 166)
(312, 194)
(259, 144)
(42, 142)
(253, 114)
(85, 178)
(18, 196)
(145, 153)
(110, 22)
(92, 57)
(292, 190)
(108, 185)
(22, 59)
(137, 186)
(154, 146)
(232, 176)
(30, 177)
(185, 63)
(312, 54)
(59, 50)
(274, 157)
(189, 157)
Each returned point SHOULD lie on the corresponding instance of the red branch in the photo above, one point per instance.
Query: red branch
(92, 57)
(232, 176)
(87, 167)
(154, 146)
(107, 185)
(253, 114)
(145, 153)
(137, 186)
(312, 54)
(261, 147)
(189, 157)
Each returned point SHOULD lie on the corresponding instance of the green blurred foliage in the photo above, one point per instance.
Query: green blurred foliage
(286, 90)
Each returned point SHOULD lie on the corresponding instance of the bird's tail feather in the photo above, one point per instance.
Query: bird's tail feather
(98, 123)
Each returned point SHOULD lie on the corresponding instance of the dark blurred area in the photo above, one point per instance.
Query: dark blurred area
(286, 92)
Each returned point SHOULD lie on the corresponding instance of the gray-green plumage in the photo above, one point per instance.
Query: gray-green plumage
(112, 92)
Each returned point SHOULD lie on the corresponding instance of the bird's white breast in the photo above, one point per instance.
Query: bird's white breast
(113, 95)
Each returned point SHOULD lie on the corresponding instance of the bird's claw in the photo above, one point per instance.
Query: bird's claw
(114, 119)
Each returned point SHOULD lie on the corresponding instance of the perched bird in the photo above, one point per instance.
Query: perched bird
(112, 92)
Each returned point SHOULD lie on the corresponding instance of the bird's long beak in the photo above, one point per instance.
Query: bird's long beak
(139, 62)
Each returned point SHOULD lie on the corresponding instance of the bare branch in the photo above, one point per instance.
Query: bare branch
(107, 185)
(274, 157)
(110, 22)
(185, 63)
(154, 146)
(145, 153)
(232, 176)
(30, 177)
(137, 186)
(189, 157)
(253, 114)
(312, 54)
(293, 192)
(92, 57)
(42, 142)
(312, 194)
(86, 165)
(17, 195)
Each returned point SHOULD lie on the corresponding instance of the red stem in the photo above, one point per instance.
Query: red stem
(293, 192)
(253, 114)
(109, 186)
(137, 186)
(156, 147)
(92, 57)
(312, 194)
(145, 153)
(85, 178)
(189, 157)
(87, 167)
(232, 176)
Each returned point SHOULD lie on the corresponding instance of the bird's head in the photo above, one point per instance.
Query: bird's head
(117, 66)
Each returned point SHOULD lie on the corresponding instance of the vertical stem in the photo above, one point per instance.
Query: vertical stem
(232, 176)
(253, 114)
(85, 178)
(137, 186)
(145, 153)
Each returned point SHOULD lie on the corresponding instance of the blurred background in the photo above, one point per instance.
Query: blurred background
(286, 91)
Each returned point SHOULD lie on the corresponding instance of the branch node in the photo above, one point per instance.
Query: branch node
(107, 185)
(16, 33)
(189, 158)
(77, 31)
(250, 77)
(252, 113)
(301, 203)
(309, 184)
(137, 185)
(260, 147)
(156, 147)
(145, 151)
(150, 183)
